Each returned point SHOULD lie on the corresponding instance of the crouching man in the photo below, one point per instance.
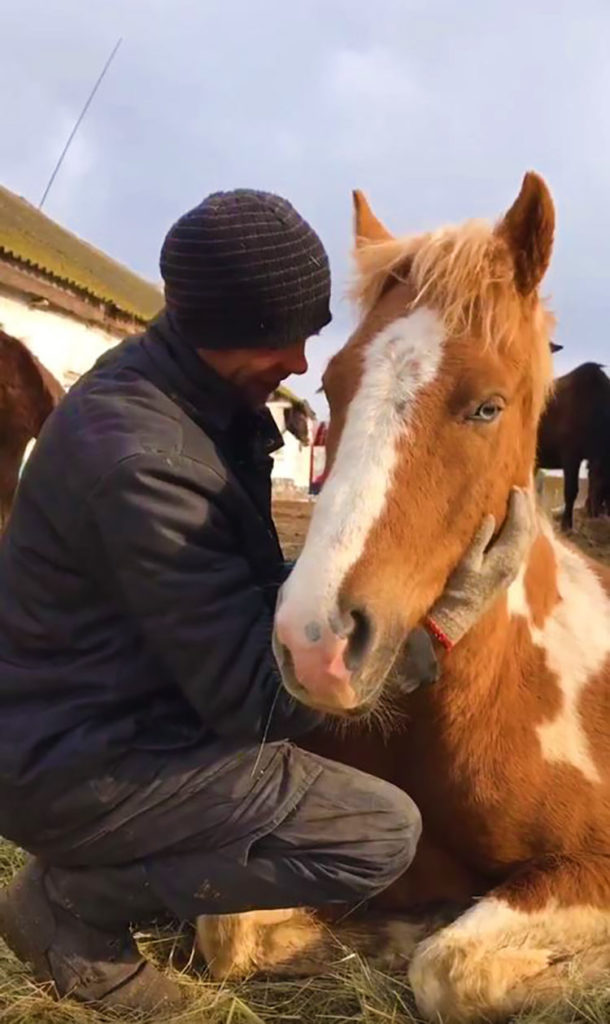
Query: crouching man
(147, 760)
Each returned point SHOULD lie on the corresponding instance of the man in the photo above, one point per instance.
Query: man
(145, 760)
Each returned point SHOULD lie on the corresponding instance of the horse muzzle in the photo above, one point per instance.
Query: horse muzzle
(321, 660)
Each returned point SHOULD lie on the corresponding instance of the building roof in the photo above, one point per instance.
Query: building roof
(30, 238)
(289, 396)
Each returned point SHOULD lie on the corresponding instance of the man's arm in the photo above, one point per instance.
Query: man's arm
(167, 548)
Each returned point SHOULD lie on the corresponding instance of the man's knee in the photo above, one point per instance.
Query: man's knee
(399, 828)
(382, 831)
(364, 829)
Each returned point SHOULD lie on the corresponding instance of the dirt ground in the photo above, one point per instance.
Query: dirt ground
(292, 519)
(592, 536)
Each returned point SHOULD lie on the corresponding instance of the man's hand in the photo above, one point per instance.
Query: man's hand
(483, 574)
(477, 581)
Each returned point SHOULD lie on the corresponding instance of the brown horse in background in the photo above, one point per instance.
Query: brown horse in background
(435, 402)
(28, 393)
(575, 427)
(598, 497)
(296, 421)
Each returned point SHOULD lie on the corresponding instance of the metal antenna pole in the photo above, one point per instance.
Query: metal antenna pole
(76, 126)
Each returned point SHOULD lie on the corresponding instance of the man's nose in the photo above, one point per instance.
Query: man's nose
(296, 360)
(299, 365)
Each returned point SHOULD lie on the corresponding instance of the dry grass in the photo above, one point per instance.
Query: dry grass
(354, 994)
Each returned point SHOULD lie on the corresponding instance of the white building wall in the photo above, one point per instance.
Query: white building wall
(66, 346)
(292, 461)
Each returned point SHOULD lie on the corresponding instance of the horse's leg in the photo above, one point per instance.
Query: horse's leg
(535, 939)
(571, 470)
(299, 943)
(240, 944)
(593, 506)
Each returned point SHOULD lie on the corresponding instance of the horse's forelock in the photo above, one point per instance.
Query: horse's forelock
(467, 271)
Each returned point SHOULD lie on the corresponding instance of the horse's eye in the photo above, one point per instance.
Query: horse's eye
(487, 411)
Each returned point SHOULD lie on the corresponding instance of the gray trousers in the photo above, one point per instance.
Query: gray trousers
(191, 834)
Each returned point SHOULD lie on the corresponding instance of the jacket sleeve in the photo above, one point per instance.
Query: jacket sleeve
(171, 555)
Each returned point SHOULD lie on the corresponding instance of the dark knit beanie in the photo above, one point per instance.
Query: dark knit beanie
(243, 269)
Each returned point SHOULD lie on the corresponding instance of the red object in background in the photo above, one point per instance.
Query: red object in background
(316, 485)
(319, 440)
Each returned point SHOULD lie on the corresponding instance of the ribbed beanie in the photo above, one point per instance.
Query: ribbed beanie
(244, 269)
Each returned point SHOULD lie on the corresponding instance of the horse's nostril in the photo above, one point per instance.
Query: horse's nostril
(360, 636)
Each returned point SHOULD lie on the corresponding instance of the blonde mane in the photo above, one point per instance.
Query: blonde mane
(467, 273)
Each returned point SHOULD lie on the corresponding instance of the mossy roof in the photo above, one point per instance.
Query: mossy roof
(29, 236)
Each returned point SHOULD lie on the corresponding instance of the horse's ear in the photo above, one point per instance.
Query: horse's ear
(367, 228)
(528, 228)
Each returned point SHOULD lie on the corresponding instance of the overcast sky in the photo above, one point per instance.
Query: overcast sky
(435, 107)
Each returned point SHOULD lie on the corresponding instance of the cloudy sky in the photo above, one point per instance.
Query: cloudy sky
(435, 107)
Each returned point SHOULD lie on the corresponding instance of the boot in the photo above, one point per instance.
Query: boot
(82, 960)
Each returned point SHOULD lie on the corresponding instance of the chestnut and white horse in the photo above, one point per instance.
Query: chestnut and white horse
(435, 402)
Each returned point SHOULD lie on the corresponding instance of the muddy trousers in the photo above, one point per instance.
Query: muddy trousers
(245, 829)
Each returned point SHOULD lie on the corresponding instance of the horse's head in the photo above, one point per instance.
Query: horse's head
(296, 421)
(434, 405)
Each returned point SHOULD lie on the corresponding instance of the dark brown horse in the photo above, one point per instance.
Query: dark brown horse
(576, 427)
(598, 498)
(28, 393)
(296, 421)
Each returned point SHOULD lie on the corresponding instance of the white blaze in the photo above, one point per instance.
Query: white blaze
(402, 359)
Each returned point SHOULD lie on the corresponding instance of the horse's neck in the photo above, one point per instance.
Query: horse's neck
(552, 627)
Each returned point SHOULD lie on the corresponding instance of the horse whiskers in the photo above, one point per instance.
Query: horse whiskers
(382, 717)
(387, 711)
(385, 715)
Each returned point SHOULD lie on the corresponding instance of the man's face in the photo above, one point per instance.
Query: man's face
(257, 372)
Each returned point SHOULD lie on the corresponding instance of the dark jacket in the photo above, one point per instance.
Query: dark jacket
(139, 572)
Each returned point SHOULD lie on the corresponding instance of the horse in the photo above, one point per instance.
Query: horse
(28, 394)
(575, 426)
(434, 404)
(598, 497)
(296, 421)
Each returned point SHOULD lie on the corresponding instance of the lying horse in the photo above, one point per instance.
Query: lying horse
(435, 402)
(575, 426)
